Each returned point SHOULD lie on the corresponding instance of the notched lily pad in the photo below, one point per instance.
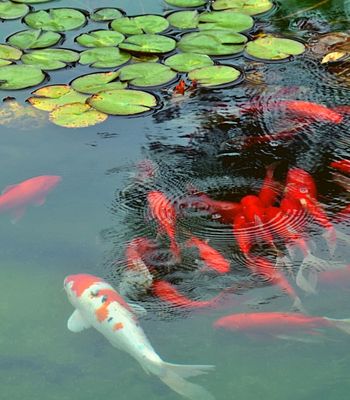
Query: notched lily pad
(56, 19)
(213, 42)
(231, 20)
(186, 3)
(102, 38)
(250, 7)
(184, 19)
(106, 14)
(50, 59)
(76, 115)
(188, 61)
(123, 102)
(148, 43)
(10, 10)
(34, 39)
(215, 75)
(8, 54)
(147, 74)
(93, 83)
(104, 57)
(139, 25)
(14, 77)
(48, 98)
(274, 48)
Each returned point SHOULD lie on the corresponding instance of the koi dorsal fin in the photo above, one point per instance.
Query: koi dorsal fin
(76, 322)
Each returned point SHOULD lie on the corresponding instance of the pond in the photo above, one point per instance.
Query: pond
(196, 152)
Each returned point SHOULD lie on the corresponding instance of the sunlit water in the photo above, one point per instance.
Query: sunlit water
(100, 206)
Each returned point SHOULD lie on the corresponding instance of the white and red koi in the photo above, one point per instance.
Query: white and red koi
(99, 306)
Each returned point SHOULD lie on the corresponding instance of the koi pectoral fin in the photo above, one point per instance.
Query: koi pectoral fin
(76, 322)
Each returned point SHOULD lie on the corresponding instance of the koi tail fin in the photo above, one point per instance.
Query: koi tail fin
(342, 324)
(173, 375)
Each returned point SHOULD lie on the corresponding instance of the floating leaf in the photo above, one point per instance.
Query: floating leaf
(145, 58)
(10, 10)
(214, 75)
(93, 83)
(4, 62)
(31, 1)
(76, 115)
(123, 102)
(50, 59)
(274, 48)
(188, 61)
(231, 20)
(186, 3)
(48, 98)
(106, 14)
(34, 39)
(250, 7)
(56, 19)
(104, 57)
(213, 43)
(147, 74)
(334, 56)
(9, 54)
(20, 76)
(183, 19)
(139, 25)
(148, 43)
(102, 38)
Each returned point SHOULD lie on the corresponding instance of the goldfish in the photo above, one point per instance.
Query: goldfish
(180, 88)
(168, 293)
(212, 258)
(164, 213)
(15, 198)
(279, 324)
(99, 306)
(341, 165)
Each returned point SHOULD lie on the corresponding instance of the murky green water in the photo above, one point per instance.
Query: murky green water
(98, 207)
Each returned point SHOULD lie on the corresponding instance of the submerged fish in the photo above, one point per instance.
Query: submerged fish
(279, 324)
(99, 306)
(15, 198)
(341, 165)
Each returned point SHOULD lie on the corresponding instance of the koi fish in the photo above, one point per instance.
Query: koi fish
(164, 213)
(241, 232)
(180, 88)
(279, 324)
(168, 293)
(99, 306)
(212, 258)
(270, 190)
(299, 183)
(15, 198)
(341, 165)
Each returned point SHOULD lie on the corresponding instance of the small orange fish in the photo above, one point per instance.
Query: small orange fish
(341, 165)
(180, 88)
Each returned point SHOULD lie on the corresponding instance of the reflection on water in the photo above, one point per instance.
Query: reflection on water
(207, 143)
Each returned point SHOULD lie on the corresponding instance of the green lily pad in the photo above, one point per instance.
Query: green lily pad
(102, 38)
(188, 61)
(274, 48)
(31, 1)
(139, 25)
(56, 19)
(104, 57)
(122, 102)
(50, 59)
(10, 10)
(48, 98)
(212, 43)
(186, 3)
(34, 39)
(250, 7)
(183, 19)
(214, 75)
(147, 74)
(148, 43)
(76, 115)
(231, 20)
(9, 54)
(14, 77)
(144, 58)
(106, 14)
(4, 62)
(93, 83)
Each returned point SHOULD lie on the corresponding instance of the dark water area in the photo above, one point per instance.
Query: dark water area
(198, 143)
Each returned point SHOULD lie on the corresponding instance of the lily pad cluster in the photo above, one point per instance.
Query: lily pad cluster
(139, 52)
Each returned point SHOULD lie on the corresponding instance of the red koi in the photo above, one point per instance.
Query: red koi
(279, 323)
(212, 258)
(180, 88)
(241, 234)
(270, 189)
(341, 165)
(300, 183)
